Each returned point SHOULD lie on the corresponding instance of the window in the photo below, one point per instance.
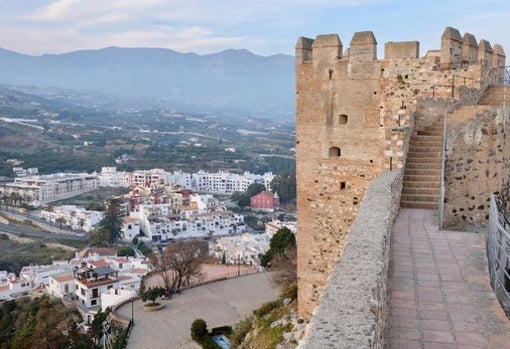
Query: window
(335, 152)
(342, 119)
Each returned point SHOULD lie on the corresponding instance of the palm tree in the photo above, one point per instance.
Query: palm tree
(81, 223)
(60, 221)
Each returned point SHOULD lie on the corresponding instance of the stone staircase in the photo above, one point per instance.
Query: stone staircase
(422, 173)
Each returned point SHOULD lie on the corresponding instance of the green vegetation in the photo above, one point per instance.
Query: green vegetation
(282, 241)
(125, 251)
(41, 323)
(153, 293)
(201, 335)
(285, 185)
(199, 330)
(108, 230)
(243, 198)
(15, 255)
(265, 328)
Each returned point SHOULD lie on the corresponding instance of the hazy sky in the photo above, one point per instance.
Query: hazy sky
(263, 26)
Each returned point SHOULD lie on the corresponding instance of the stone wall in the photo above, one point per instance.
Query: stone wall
(476, 166)
(352, 312)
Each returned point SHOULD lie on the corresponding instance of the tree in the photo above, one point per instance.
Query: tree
(199, 330)
(60, 221)
(96, 327)
(281, 241)
(123, 251)
(112, 219)
(285, 265)
(100, 237)
(153, 293)
(243, 198)
(285, 185)
(254, 189)
(81, 223)
(179, 263)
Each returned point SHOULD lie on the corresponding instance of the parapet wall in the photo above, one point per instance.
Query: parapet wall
(352, 313)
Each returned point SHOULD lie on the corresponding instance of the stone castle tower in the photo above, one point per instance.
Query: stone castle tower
(355, 115)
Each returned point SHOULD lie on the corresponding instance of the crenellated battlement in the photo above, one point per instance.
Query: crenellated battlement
(456, 51)
(354, 117)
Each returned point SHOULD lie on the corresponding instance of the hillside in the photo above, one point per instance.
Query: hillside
(232, 81)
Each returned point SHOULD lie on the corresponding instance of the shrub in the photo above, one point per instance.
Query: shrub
(240, 331)
(226, 330)
(266, 308)
(123, 251)
(199, 330)
(208, 343)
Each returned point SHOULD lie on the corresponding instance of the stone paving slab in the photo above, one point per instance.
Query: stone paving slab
(218, 303)
(440, 292)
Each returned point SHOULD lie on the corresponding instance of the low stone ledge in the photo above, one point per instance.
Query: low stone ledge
(153, 307)
(352, 311)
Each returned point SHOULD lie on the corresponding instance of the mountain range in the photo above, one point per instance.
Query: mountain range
(231, 81)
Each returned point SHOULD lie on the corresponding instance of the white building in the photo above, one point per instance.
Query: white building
(226, 182)
(109, 177)
(39, 275)
(38, 190)
(76, 217)
(204, 217)
(273, 226)
(244, 248)
(130, 228)
(11, 286)
(90, 283)
(62, 286)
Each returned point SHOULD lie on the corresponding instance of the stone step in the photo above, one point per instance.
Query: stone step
(415, 143)
(438, 133)
(422, 184)
(424, 155)
(422, 149)
(413, 165)
(421, 178)
(423, 171)
(438, 137)
(420, 191)
(424, 205)
(420, 198)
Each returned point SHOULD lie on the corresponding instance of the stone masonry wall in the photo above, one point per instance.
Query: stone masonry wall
(352, 312)
(476, 166)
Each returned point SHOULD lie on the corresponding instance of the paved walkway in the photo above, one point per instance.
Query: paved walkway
(218, 303)
(440, 292)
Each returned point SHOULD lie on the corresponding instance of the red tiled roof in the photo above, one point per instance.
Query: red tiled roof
(99, 263)
(63, 278)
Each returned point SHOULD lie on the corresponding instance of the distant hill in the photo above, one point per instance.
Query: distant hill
(232, 81)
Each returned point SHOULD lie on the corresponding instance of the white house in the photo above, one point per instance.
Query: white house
(11, 286)
(130, 228)
(61, 285)
(76, 217)
(39, 275)
(90, 283)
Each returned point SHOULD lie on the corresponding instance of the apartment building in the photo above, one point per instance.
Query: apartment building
(38, 190)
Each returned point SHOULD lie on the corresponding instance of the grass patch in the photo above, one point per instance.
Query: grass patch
(265, 328)
(16, 255)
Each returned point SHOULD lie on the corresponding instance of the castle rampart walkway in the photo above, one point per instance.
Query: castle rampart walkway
(440, 292)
